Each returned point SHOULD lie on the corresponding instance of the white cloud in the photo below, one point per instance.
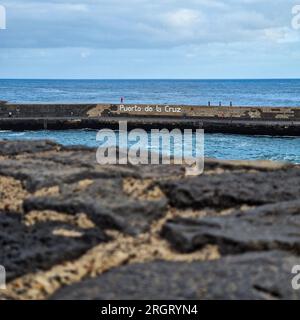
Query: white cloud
(183, 18)
(282, 35)
(2, 17)
(145, 23)
(85, 54)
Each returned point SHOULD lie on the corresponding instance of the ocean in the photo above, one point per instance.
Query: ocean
(195, 92)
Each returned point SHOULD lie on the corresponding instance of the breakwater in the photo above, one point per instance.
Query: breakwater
(240, 120)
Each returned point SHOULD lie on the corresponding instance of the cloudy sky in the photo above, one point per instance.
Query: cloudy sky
(149, 39)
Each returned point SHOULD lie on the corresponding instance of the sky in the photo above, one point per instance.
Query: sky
(154, 39)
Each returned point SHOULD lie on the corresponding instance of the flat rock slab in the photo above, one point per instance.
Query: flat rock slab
(105, 204)
(234, 189)
(42, 172)
(69, 165)
(266, 227)
(38, 174)
(10, 148)
(250, 276)
(261, 165)
(29, 249)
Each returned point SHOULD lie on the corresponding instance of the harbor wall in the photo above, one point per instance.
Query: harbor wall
(240, 120)
(177, 111)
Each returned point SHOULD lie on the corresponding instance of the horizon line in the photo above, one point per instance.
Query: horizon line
(153, 79)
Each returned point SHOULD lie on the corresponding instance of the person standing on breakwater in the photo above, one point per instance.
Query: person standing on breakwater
(122, 100)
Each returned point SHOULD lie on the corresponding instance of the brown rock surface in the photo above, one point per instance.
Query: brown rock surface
(27, 249)
(68, 225)
(249, 276)
(268, 227)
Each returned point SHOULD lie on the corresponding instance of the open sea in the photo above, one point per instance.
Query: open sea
(195, 92)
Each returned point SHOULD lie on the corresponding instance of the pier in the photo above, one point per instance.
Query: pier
(283, 121)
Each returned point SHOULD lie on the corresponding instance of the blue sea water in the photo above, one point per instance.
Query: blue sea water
(222, 146)
(195, 92)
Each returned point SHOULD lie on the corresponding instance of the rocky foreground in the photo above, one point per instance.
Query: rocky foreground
(72, 229)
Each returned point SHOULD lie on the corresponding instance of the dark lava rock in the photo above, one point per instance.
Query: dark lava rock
(9, 148)
(250, 276)
(261, 242)
(161, 172)
(234, 189)
(41, 173)
(105, 204)
(28, 249)
(54, 168)
(238, 165)
(85, 158)
(268, 227)
(38, 174)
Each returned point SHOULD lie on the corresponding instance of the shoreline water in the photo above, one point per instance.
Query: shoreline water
(219, 146)
(272, 92)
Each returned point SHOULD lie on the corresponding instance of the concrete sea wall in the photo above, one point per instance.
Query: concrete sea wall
(241, 120)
